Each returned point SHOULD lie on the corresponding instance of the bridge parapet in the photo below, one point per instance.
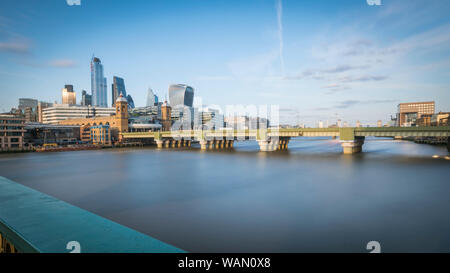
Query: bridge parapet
(31, 221)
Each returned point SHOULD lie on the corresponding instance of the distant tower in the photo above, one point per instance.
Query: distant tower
(150, 98)
(358, 124)
(98, 84)
(379, 123)
(68, 96)
(117, 88)
(122, 114)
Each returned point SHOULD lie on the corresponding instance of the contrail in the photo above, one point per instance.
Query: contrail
(279, 8)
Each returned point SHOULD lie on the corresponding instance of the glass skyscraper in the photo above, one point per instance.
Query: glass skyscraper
(118, 87)
(181, 94)
(152, 99)
(98, 84)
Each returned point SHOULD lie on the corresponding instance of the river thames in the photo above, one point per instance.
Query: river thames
(310, 198)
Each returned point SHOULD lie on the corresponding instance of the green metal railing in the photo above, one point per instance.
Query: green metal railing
(31, 221)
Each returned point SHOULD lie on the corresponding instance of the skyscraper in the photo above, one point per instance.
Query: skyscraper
(181, 94)
(98, 84)
(130, 101)
(152, 98)
(85, 98)
(118, 87)
(68, 95)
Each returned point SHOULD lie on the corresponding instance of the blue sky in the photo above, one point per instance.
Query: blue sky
(317, 59)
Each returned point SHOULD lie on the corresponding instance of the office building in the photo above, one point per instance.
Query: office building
(61, 112)
(118, 87)
(38, 134)
(440, 119)
(181, 94)
(152, 99)
(98, 84)
(68, 95)
(86, 99)
(41, 106)
(130, 102)
(100, 134)
(409, 113)
(11, 132)
(29, 108)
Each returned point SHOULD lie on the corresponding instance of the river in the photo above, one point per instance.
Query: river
(310, 198)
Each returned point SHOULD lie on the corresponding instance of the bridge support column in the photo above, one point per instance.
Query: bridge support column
(448, 144)
(268, 145)
(167, 143)
(188, 143)
(159, 143)
(352, 146)
(180, 143)
(203, 144)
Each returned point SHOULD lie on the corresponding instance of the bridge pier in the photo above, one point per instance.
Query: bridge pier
(159, 143)
(167, 143)
(448, 144)
(268, 145)
(352, 146)
(203, 144)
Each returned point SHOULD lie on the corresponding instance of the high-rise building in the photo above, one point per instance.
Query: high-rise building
(152, 99)
(86, 99)
(409, 113)
(130, 102)
(29, 108)
(118, 87)
(181, 94)
(68, 95)
(98, 84)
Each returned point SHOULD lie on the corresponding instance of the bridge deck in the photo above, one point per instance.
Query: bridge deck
(35, 222)
(442, 131)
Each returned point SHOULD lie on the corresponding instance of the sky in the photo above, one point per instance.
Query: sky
(314, 59)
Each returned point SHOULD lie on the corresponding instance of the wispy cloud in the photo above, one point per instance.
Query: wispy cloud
(319, 73)
(21, 46)
(350, 103)
(62, 63)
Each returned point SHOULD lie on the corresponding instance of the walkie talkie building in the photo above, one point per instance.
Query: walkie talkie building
(181, 94)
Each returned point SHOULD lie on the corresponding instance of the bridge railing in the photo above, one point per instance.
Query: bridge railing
(31, 221)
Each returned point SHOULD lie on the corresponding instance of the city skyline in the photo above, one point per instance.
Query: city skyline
(319, 60)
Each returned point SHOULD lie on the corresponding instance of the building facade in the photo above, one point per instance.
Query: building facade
(61, 112)
(181, 94)
(68, 95)
(98, 84)
(100, 135)
(12, 130)
(409, 113)
(118, 123)
(38, 134)
(86, 99)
